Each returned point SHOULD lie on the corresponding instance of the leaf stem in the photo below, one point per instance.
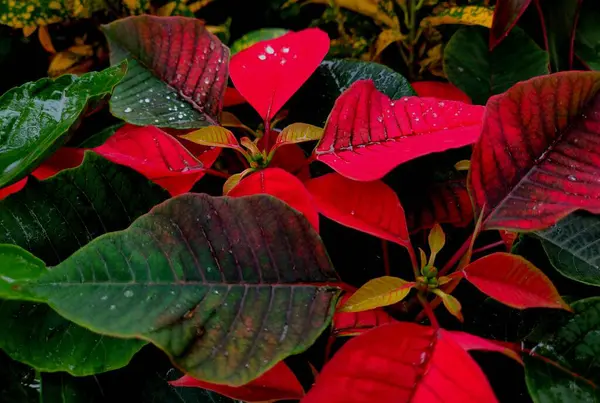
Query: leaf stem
(428, 310)
(386, 257)
(487, 247)
(214, 172)
(456, 257)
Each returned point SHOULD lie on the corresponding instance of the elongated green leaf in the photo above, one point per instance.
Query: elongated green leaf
(256, 36)
(36, 118)
(177, 71)
(587, 39)
(575, 347)
(18, 382)
(481, 73)
(226, 286)
(17, 265)
(55, 217)
(572, 247)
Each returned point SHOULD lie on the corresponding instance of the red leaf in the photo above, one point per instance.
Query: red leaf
(268, 73)
(509, 238)
(401, 362)
(284, 186)
(154, 154)
(14, 188)
(367, 135)
(279, 383)
(514, 281)
(233, 97)
(538, 158)
(370, 207)
(443, 203)
(471, 342)
(63, 158)
(506, 15)
(439, 90)
(355, 323)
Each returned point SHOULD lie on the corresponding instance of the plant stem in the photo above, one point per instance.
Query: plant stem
(267, 135)
(490, 246)
(386, 257)
(411, 38)
(456, 257)
(214, 172)
(428, 310)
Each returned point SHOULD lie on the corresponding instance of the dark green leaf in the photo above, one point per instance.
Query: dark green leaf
(55, 217)
(226, 286)
(256, 36)
(587, 40)
(559, 17)
(98, 138)
(572, 247)
(17, 382)
(17, 265)
(62, 388)
(470, 65)
(315, 99)
(36, 118)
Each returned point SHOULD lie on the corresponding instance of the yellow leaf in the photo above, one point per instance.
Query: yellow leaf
(62, 62)
(198, 5)
(381, 291)
(166, 10)
(234, 179)
(463, 165)
(463, 15)
(213, 136)
(433, 62)
(423, 258)
(436, 239)
(27, 31)
(452, 304)
(250, 146)
(381, 11)
(45, 40)
(298, 133)
(385, 39)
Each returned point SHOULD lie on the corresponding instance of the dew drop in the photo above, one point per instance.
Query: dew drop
(380, 119)
(207, 80)
(282, 62)
(269, 49)
(104, 298)
(460, 69)
(127, 110)
(155, 120)
(572, 178)
(352, 212)
(128, 294)
(147, 100)
(262, 57)
(285, 49)
(113, 307)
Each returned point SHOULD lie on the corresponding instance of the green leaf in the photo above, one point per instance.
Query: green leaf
(572, 247)
(587, 39)
(177, 71)
(559, 18)
(21, 13)
(226, 286)
(55, 217)
(470, 65)
(574, 346)
(18, 383)
(36, 118)
(256, 36)
(313, 102)
(17, 265)
(62, 388)
(36, 335)
(98, 138)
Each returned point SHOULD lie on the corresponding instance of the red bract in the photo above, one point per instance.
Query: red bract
(371, 207)
(367, 135)
(538, 156)
(506, 15)
(471, 342)
(279, 383)
(289, 157)
(285, 186)
(156, 155)
(232, 97)
(268, 73)
(509, 238)
(440, 90)
(401, 362)
(514, 281)
(355, 323)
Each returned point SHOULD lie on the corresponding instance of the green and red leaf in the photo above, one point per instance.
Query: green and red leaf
(367, 134)
(537, 158)
(506, 15)
(440, 90)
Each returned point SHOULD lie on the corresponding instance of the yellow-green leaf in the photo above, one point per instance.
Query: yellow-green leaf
(213, 136)
(462, 15)
(436, 239)
(452, 304)
(423, 258)
(386, 38)
(381, 291)
(33, 13)
(234, 179)
(381, 11)
(463, 165)
(298, 133)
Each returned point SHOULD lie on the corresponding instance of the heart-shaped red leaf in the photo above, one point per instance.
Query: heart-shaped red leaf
(471, 342)
(283, 185)
(367, 135)
(278, 383)
(538, 158)
(440, 90)
(514, 281)
(355, 323)
(268, 73)
(156, 155)
(506, 15)
(401, 362)
(370, 207)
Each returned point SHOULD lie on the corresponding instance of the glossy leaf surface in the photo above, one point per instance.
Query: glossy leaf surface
(367, 135)
(536, 160)
(381, 291)
(177, 71)
(17, 265)
(268, 73)
(213, 136)
(370, 207)
(355, 323)
(283, 185)
(514, 281)
(401, 362)
(440, 90)
(298, 133)
(506, 15)
(226, 286)
(36, 118)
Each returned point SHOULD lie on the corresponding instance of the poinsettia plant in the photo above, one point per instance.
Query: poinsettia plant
(277, 225)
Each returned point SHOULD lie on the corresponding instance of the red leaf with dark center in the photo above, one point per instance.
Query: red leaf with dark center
(154, 154)
(232, 97)
(367, 135)
(355, 323)
(443, 203)
(370, 207)
(514, 281)
(506, 15)
(471, 342)
(279, 383)
(268, 73)
(283, 185)
(401, 362)
(538, 158)
(440, 90)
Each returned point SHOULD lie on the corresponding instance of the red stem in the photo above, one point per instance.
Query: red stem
(386, 257)
(428, 311)
(214, 172)
(490, 246)
(456, 257)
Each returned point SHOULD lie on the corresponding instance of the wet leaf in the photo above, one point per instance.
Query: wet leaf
(17, 266)
(254, 37)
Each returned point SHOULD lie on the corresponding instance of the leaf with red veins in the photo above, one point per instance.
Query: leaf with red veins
(538, 158)
(278, 383)
(355, 323)
(471, 342)
(513, 281)
(370, 207)
(367, 134)
(506, 15)
(440, 90)
(154, 154)
(283, 185)
(268, 73)
(401, 362)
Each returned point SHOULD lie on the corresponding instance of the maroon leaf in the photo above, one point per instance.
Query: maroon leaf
(367, 135)
(506, 15)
